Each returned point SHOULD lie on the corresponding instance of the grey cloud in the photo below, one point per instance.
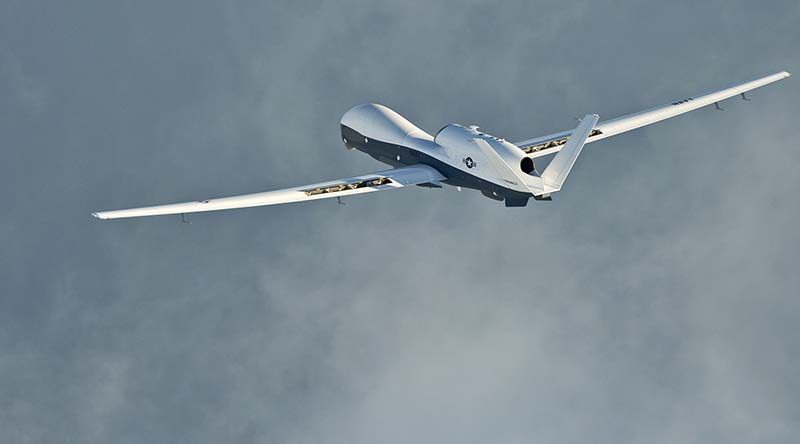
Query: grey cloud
(653, 301)
(30, 95)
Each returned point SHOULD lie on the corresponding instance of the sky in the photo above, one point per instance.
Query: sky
(655, 300)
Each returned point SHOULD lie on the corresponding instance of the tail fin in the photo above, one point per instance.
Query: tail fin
(557, 171)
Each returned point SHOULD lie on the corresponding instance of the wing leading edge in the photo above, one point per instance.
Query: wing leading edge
(384, 180)
(553, 143)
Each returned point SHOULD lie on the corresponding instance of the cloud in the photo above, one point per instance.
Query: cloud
(652, 301)
(29, 94)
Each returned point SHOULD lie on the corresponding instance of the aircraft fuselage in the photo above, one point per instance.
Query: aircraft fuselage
(391, 139)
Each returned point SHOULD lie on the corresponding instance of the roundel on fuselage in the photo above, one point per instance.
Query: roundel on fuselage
(379, 122)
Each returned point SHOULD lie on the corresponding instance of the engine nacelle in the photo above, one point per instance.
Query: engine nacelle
(461, 140)
(455, 135)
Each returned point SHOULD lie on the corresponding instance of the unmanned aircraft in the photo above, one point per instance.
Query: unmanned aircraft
(460, 156)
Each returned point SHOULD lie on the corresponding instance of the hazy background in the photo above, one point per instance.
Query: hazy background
(656, 300)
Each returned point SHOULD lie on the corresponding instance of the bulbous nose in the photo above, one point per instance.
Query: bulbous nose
(374, 121)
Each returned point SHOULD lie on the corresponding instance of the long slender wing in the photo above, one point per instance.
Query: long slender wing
(542, 146)
(385, 180)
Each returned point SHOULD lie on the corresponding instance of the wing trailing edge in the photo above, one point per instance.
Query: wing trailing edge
(384, 180)
(553, 143)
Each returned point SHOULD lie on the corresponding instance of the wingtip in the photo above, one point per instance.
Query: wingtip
(787, 74)
(97, 216)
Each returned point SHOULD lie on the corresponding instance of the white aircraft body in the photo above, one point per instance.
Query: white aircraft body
(458, 156)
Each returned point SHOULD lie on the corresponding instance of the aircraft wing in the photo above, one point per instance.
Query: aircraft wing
(385, 180)
(553, 143)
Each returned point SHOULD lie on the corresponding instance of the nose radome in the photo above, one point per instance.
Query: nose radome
(378, 122)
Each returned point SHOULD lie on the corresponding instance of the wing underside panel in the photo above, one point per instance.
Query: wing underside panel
(542, 146)
(385, 180)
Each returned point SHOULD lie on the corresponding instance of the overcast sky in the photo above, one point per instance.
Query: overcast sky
(655, 300)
